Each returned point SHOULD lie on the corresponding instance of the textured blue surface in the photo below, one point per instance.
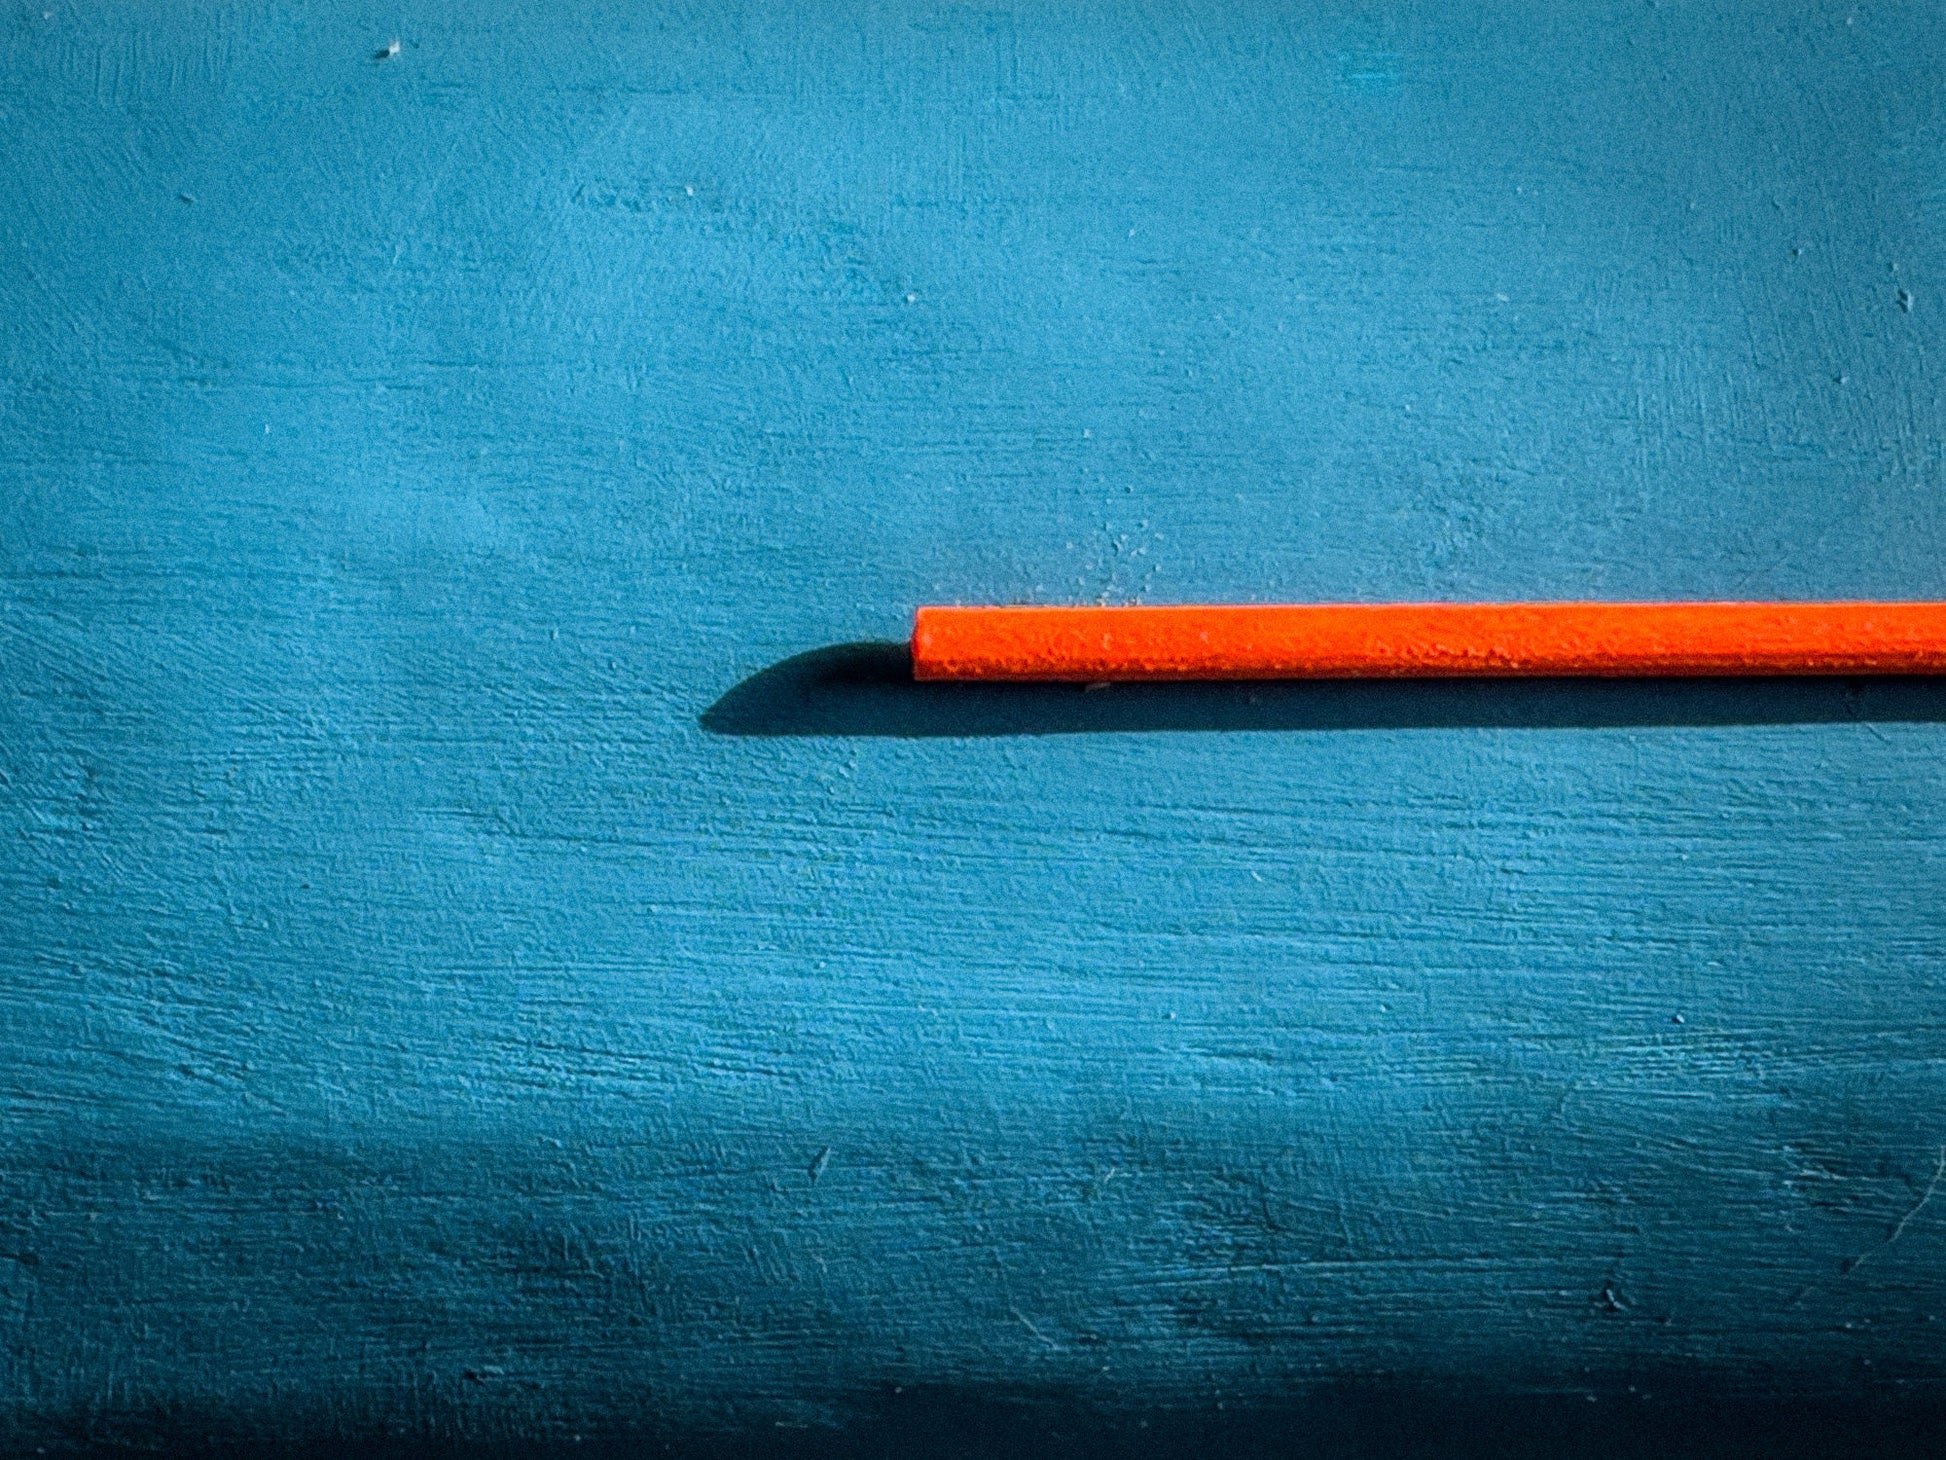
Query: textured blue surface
(457, 986)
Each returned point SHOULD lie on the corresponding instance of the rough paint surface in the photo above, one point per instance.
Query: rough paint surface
(467, 976)
(1133, 642)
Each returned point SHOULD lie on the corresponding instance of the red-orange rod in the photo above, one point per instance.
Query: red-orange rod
(1427, 640)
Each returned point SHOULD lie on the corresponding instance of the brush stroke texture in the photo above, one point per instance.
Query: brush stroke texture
(428, 1020)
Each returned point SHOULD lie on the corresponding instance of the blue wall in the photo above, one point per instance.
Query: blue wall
(463, 978)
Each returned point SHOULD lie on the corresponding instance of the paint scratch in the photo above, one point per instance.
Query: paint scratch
(1898, 1228)
(1028, 1324)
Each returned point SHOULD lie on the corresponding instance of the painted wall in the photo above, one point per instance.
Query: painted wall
(465, 979)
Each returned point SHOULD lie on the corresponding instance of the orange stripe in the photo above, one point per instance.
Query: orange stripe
(1400, 640)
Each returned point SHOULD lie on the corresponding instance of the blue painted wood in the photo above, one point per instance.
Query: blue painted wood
(467, 979)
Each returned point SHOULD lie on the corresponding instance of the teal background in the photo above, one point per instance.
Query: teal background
(466, 981)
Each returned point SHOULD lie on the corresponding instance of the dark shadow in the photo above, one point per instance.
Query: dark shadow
(868, 689)
(1682, 1419)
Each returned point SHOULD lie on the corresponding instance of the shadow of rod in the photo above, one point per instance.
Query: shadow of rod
(867, 689)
